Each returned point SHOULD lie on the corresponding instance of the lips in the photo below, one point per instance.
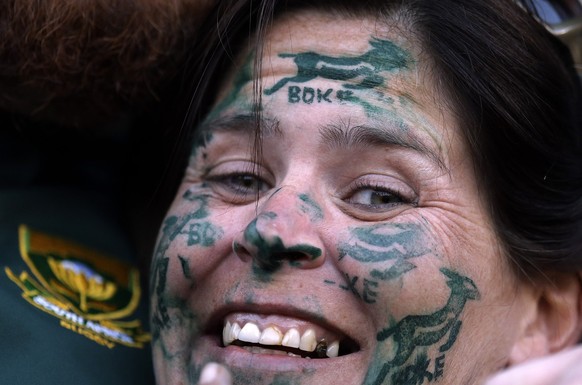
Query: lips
(282, 335)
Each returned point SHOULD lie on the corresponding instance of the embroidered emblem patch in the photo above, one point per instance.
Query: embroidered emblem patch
(89, 292)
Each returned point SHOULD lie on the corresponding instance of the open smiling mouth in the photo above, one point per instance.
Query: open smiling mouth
(276, 335)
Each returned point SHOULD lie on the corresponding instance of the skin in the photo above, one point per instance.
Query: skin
(559, 369)
(395, 250)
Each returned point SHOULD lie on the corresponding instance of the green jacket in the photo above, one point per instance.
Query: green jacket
(72, 307)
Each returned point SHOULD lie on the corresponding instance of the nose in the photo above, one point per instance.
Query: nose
(282, 233)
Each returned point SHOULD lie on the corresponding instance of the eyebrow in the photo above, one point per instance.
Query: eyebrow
(242, 123)
(340, 134)
(344, 135)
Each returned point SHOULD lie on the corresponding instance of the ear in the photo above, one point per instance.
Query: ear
(553, 320)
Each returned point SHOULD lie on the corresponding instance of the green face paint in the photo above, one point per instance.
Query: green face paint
(365, 289)
(384, 56)
(202, 137)
(415, 334)
(200, 233)
(159, 319)
(194, 371)
(310, 207)
(185, 264)
(271, 252)
(243, 77)
(385, 242)
(284, 380)
(368, 73)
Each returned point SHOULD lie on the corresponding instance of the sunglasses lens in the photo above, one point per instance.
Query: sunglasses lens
(564, 19)
(557, 11)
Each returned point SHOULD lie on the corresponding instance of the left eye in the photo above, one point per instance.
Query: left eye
(375, 197)
(377, 194)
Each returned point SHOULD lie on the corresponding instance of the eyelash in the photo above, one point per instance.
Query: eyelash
(233, 187)
(361, 185)
(237, 192)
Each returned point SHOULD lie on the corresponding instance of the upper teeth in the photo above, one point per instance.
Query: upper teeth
(272, 335)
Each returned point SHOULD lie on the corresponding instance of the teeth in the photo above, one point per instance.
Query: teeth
(321, 348)
(230, 333)
(308, 342)
(234, 332)
(292, 338)
(226, 334)
(333, 349)
(250, 333)
(272, 336)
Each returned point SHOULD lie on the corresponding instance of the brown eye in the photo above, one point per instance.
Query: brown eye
(238, 187)
(377, 194)
(375, 198)
(246, 183)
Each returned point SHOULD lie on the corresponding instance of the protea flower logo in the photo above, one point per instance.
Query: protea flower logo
(77, 280)
(90, 292)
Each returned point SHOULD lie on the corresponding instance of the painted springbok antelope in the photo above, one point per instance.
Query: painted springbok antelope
(416, 331)
(384, 56)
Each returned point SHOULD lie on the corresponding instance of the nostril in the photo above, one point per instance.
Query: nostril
(300, 255)
(294, 257)
(307, 252)
(241, 251)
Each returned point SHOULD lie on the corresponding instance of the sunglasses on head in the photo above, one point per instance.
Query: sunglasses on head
(563, 18)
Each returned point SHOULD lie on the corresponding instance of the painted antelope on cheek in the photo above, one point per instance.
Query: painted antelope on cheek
(384, 56)
(415, 331)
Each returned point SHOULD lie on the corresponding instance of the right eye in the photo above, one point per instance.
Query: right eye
(243, 183)
(238, 187)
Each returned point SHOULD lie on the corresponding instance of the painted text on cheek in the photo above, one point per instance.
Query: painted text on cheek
(413, 336)
(169, 311)
(378, 245)
(413, 350)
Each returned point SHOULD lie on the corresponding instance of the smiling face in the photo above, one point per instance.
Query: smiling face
(356, 247)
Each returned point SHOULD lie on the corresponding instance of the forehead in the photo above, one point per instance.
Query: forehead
(342, 68)
(323, 32)
(315, 35)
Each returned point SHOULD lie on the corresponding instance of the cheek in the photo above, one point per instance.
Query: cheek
(190, 240)
(392, 267)
(426, 304)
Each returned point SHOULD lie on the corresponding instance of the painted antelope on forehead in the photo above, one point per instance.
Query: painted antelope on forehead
(383, 56)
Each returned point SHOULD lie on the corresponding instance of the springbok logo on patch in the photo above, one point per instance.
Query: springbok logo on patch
(89, 292)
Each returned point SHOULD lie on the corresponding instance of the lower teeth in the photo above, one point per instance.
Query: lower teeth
(261, 350)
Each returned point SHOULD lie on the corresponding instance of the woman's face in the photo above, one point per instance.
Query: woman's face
(355, 248)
